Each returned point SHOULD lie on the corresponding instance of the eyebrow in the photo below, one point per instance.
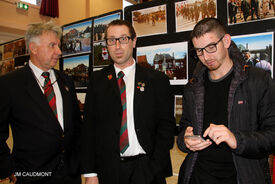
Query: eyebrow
(119, 36)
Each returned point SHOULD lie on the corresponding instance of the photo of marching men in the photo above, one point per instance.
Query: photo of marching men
(190, 12)
(241, 11)
(150, 21)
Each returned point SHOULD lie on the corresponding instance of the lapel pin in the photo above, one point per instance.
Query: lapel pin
(67, 88)
(141, 86)
(110, 76)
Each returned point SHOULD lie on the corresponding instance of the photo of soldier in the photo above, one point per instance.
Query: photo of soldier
(232, 9)
(241, 11)
(190, 12)
(245, 7)
(150, 21)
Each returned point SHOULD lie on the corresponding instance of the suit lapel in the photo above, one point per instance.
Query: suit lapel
(140, 79)
(112, 81)
(65, 93)
(34, 91)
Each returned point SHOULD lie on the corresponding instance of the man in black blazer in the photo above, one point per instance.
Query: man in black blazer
(45, 132)
(146, 107)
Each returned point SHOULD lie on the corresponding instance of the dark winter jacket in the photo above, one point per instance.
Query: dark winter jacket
(251, 118)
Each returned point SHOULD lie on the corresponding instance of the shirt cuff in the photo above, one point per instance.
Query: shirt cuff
(89, 175)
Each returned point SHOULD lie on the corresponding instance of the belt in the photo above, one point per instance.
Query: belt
(131, 158)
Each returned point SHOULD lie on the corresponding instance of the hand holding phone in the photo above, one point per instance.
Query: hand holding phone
(194, 137)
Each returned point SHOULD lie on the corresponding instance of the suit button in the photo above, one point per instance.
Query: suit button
(137, 130)
(62, 136)
(63, 151)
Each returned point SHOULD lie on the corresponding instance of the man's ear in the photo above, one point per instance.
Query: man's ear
(33, 47)
(226, 40)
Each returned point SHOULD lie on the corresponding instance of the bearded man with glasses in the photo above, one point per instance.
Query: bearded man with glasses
(128, 120)
(228, 119)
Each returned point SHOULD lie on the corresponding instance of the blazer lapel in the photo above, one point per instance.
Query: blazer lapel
(140, 80)
(65, 93)
(112, 80)
(34, 91)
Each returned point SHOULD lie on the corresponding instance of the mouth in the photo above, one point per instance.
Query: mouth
(119, 54)
(210, 63)
(55, 59)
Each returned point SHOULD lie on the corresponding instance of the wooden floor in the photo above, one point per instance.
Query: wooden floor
(176, 155)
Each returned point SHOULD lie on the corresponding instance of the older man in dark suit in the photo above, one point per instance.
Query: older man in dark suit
(128, 120)
(40, 105)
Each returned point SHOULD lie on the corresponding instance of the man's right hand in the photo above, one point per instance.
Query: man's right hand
(92, 180)
(195, 144)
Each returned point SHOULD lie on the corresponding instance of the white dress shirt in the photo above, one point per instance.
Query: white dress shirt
(40, 80)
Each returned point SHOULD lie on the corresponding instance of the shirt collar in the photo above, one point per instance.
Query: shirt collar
(126, 70)
(38, 72)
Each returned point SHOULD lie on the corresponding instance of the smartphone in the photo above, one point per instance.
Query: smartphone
(194, 137)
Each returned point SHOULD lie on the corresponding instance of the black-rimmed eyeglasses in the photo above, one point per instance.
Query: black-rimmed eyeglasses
(122, 40)
(210, 48)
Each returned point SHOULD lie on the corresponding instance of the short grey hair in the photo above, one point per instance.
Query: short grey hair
(37, 29)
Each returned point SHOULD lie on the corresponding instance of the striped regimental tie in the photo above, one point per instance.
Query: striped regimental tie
(49, 92)
(124, 141)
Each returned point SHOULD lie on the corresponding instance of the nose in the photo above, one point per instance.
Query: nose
(117, 44)
(58, 50)
(205, 55)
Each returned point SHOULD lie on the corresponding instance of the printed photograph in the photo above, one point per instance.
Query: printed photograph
(178, 108)
(150, 21)
(170, 59)
(100, 24)
(257, 49)
(97, 69)
(21, 62)
(13, 49)
(81, 100)
(8, 50)
(1, 52)
(242, 11)
(6, 66)
(19, 48)
(190, 12)
(77, 67)
(101, 56)
(77, 38)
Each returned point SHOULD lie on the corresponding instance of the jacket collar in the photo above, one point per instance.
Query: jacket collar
(239, 69)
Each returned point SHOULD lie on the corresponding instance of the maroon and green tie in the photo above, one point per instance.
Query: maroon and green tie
(49, 92)
(124, 141)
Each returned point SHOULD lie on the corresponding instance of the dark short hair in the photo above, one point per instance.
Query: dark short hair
(119, 22)
(208, 25)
